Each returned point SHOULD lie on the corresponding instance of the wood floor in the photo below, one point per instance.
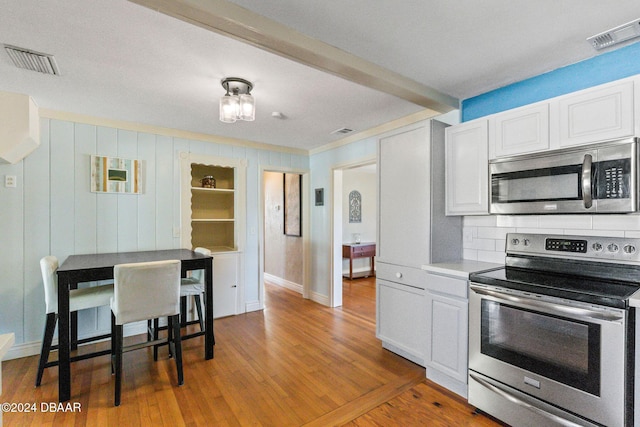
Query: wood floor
(296, 363)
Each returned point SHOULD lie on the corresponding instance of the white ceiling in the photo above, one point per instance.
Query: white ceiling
(119, 60)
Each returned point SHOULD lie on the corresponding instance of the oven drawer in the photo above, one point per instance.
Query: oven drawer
(514, 407)
(409, 276)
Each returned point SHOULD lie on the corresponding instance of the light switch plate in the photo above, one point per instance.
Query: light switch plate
(10, 181)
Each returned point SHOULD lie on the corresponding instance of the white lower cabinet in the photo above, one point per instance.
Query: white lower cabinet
(401, 319)
(226, 269)
(447, 342)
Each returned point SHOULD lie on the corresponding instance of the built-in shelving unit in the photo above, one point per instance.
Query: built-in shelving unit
(209, 214)
(214, 218)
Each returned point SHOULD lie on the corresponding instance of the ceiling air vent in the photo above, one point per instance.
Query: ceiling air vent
(616, 35)
(31, 60)
(341, 131)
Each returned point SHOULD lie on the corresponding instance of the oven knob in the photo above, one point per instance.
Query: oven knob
(526, 242)
(629, 249)
(597, 246)
(515, 242)
(612, 247)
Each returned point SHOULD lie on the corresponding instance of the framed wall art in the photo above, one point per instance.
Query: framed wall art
(292, 204)
(355, 206)
(116, 175)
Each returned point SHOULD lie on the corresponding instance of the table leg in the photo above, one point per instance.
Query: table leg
(372, 267)
(209, 339)
(73, 325)
(350, 268)
(64, 364)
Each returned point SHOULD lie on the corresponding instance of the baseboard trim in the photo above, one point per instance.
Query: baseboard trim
(319, 298)
(296, 287)
(253, 306)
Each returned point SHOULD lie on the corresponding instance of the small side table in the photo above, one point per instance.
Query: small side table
(359, 250)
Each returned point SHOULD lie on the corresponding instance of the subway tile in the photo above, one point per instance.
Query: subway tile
(607, 233)
(501, 245)
(538, 230)
(471, 254)
(632, 234)
(565, 221)
(617, 222)
(517, 221)
(494, 232)
(480, 221)
(467, 234)
(483, 244)
(491, 256)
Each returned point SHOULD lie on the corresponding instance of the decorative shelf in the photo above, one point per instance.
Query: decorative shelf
(214, 190)
(213, 220)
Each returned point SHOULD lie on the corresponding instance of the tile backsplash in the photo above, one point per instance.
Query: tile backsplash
(483, 237)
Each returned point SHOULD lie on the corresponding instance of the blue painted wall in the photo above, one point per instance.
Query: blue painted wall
(606, 67)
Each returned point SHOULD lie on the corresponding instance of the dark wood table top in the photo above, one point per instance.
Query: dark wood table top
(95, 261)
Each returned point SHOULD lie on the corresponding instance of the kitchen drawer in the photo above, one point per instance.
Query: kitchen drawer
(447, 285)
(410, 276)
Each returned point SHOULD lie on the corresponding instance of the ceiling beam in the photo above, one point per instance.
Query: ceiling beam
(231, 20)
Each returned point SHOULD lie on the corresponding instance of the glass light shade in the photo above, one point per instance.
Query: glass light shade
(247, 108)
(229, 108)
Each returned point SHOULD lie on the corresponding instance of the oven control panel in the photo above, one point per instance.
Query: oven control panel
(566, 245)
(614, 249)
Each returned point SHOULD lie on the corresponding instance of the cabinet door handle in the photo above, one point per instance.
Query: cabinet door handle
(399, 275)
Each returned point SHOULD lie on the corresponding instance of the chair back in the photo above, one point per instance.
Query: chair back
(48, 267)
(146, 290)
(199, 274)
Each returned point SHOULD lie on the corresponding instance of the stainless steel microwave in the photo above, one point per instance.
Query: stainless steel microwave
(599, 178)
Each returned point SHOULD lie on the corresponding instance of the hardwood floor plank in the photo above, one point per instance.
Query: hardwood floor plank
(295, 363)
(367, 402)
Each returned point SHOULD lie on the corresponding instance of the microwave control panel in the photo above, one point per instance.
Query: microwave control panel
(613, 179)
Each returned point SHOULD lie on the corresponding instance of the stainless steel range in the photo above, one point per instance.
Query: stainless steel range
(551, 335)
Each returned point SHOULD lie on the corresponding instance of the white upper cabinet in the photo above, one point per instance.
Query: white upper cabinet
(467, 171)
(519, 131)
(597, 114)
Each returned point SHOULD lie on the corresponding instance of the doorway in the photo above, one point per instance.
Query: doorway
(357, 182)
(284, 253)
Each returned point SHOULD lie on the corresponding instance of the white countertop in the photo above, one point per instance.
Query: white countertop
(634, 301)
(461, 268)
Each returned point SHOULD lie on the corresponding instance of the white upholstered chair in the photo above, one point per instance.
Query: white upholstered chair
(79, 299)
(143, 291)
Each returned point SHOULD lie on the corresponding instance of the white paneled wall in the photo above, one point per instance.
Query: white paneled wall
(484, 236)
(53, 211)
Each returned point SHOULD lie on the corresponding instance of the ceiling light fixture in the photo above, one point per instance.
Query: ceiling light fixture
(237, 103)
(616, 35)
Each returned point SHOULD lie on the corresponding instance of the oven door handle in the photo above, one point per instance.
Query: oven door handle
(587, 196)
(559, 308)
(553, 417)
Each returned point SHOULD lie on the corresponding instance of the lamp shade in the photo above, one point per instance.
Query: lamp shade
(229, 108)
(247, 107)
